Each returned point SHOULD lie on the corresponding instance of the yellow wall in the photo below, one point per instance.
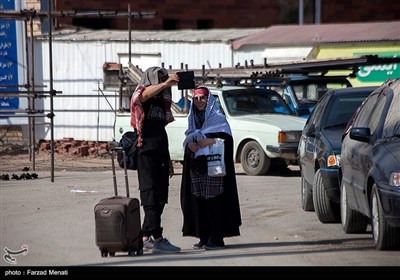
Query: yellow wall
(349, 50)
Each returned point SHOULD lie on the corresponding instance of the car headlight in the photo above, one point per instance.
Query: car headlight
(289, 136)
(333, 161)
(395, 179)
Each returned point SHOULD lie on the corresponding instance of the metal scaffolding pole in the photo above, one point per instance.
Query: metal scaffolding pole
(31, 92)
(51, 115)
(32, 122)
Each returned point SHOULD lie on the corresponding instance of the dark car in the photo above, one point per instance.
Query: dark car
(370, 164)
(319, 150)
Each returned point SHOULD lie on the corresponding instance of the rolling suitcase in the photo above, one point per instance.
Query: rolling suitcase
(117, 220)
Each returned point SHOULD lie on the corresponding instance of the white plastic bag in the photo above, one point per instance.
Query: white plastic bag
(215, 159)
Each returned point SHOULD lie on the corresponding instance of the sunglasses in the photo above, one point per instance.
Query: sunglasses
(200, 98)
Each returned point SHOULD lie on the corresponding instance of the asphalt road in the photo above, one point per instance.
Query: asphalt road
(55, 222)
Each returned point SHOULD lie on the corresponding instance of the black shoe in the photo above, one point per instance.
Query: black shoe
(210, 246)
(199, 245)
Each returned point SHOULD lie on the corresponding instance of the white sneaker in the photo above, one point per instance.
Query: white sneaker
(164, 246)
(148, 244)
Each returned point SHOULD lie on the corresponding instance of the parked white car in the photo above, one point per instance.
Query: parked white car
(265, 130)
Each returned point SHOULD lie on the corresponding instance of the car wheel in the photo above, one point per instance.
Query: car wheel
(352, 221)
(327, 211)
(254, 161)
(306, 195)
(385, 236)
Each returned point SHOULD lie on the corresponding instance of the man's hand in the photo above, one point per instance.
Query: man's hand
(171, 169)
(153, 90)
(172, 80)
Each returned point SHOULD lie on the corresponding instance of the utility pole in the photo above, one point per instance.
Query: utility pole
(301, 12)
(317, 17)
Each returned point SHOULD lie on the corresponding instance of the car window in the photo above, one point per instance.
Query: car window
(318, 110)
(312, 92)
(376, 114)
(392, 121)
(306, 92)
(251, 101)
(365, 112)
(279, 88)
(341, 109)
(218, 104)
(289, 101)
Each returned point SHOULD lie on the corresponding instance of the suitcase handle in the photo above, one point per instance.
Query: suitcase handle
(119, 149)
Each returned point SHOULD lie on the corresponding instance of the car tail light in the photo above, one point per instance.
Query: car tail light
(333, 161)
(395, 179)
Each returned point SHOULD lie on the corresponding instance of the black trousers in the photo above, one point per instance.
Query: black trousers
(152, 220)
(153, 175)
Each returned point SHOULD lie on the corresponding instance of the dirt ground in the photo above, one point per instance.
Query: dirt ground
(56, 220)
(16, 158)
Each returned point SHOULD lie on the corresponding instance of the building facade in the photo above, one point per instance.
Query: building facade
(208, 14)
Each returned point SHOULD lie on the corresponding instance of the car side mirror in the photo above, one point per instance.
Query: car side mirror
(360, 134)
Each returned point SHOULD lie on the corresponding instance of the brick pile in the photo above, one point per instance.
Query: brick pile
(11, 133)
(78, 148)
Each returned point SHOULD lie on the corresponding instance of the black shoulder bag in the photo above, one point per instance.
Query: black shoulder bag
(128, 144)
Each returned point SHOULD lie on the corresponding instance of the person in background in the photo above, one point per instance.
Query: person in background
(150, 113)
(210, 205)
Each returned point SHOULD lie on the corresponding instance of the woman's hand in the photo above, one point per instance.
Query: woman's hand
(193, 147)
(205, 142)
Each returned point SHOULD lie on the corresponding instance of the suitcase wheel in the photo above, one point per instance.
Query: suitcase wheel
(104, 253)
(135, 253)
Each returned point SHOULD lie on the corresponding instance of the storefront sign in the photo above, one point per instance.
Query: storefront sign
(8, 58)
(379, 73)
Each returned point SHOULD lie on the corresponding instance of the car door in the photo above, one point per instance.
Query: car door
(364, 150)
(354, 155)
(309, 138)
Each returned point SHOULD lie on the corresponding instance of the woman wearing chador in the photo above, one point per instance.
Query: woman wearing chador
(210, 205)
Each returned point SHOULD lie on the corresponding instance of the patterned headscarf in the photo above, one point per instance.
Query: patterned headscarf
(214, 121)
(201, 91)
(150, 77)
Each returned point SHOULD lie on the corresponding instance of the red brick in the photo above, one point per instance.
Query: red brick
(83, 151)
